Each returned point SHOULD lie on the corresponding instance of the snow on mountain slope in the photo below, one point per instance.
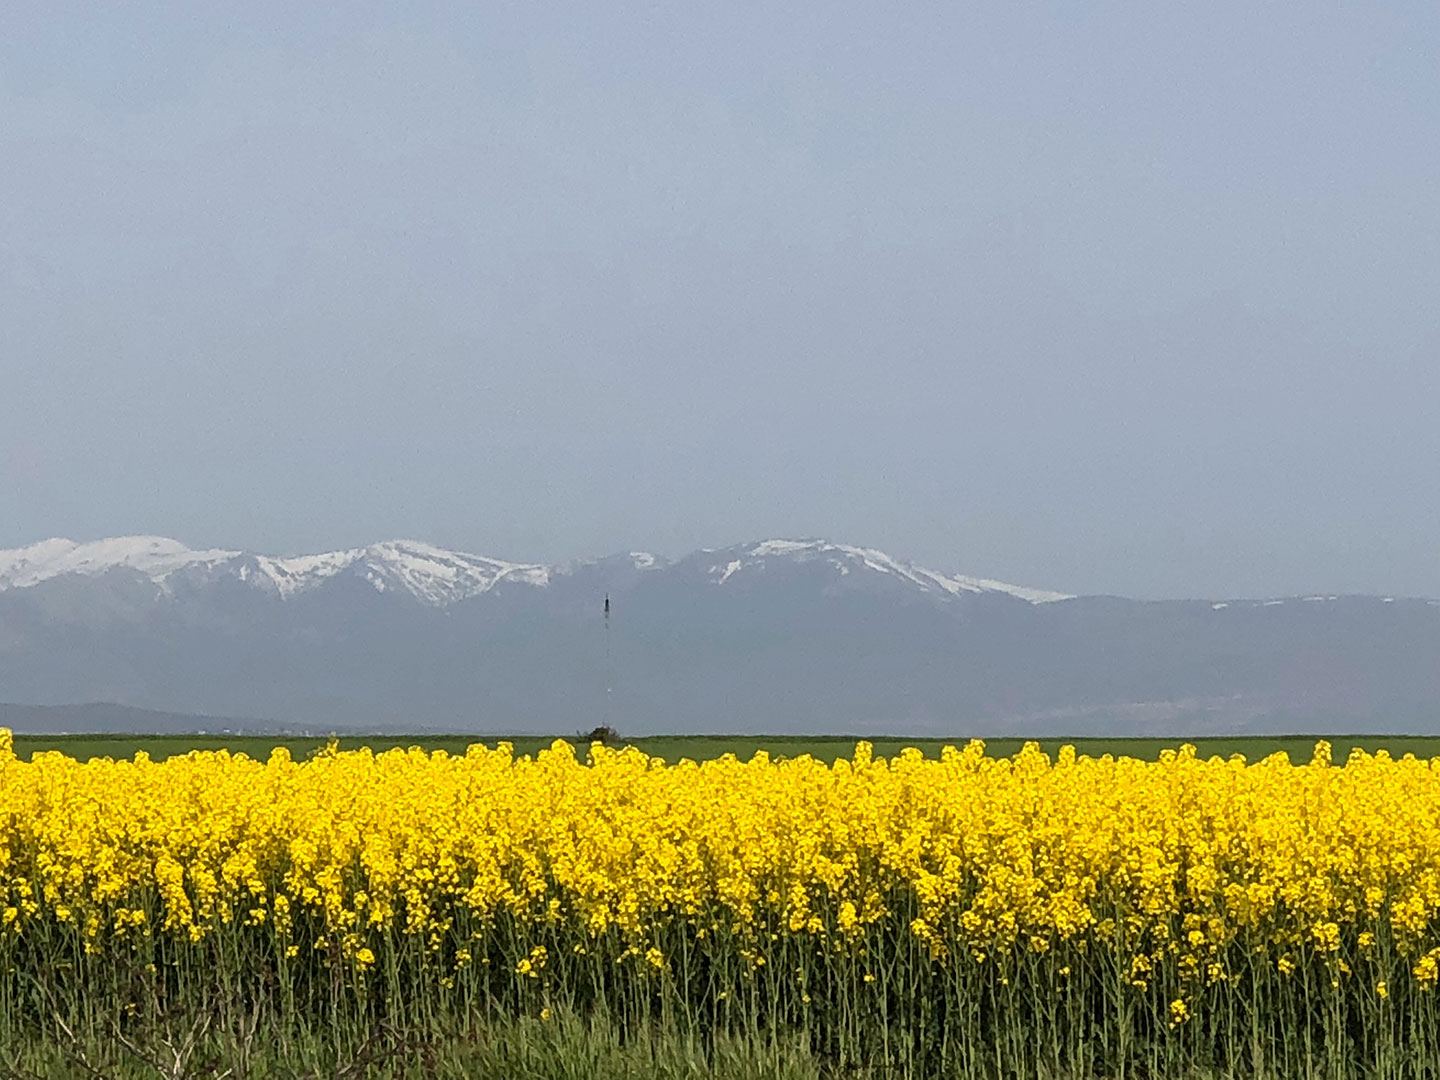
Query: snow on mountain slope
(296, 574)
(439, 577)
(846, 558)
(154, 556)
(434, 576)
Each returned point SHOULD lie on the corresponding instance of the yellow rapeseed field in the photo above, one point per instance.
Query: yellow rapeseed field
(1169, 900)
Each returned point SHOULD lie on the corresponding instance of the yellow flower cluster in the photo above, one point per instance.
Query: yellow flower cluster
(1171, 862)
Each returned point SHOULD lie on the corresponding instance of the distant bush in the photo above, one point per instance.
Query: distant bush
(602, 734)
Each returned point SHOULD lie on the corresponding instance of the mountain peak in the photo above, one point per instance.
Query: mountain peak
(847, 558)
(440, 577)
(148, 555)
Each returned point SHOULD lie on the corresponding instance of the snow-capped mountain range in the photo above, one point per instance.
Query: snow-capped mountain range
(435, 576)
(432, 575)
(766, 636)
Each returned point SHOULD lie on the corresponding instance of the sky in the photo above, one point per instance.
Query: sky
(1134, 299)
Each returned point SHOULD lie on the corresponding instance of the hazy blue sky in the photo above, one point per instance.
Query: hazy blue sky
(1133, 298)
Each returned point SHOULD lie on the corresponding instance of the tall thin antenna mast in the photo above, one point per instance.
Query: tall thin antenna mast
(609, 666)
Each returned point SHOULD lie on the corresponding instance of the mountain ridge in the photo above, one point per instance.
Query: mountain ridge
(768, 637)
(433, 575)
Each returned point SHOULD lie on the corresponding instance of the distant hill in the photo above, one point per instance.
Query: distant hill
(102, 717)
(773, 636)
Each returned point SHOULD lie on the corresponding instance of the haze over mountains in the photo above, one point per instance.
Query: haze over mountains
(769, 636)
